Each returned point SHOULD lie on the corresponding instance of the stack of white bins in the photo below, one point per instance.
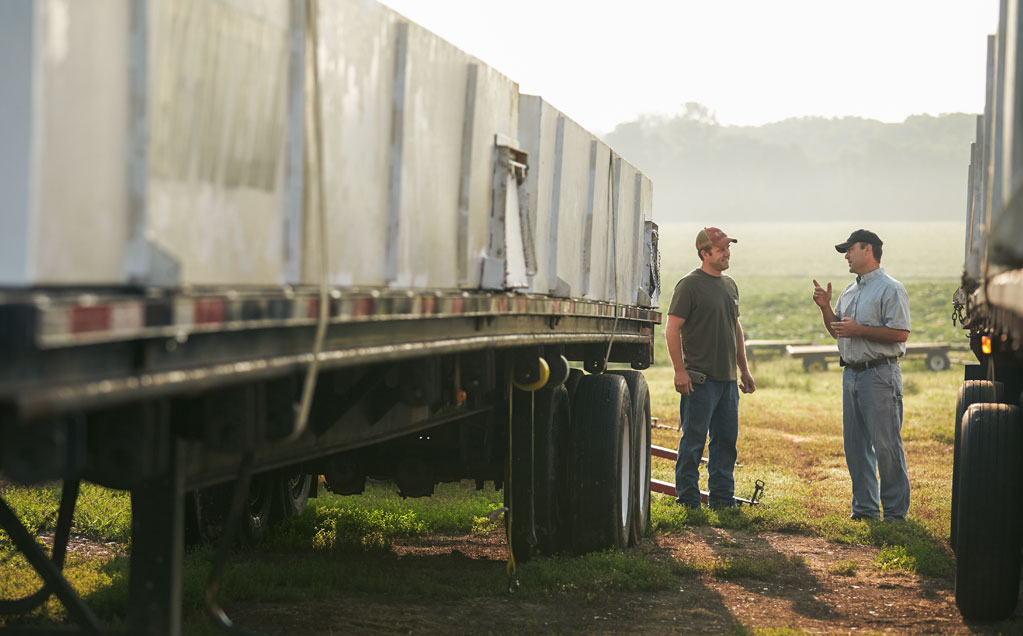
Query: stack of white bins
(194, 144)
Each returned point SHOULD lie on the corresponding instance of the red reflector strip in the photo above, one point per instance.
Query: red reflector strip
(208, 311)
(362, 307)
(84, 319)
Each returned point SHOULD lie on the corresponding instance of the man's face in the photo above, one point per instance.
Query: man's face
(858, 258)
(717, 258)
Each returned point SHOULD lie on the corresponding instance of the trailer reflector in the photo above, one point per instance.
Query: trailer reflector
(89, 318)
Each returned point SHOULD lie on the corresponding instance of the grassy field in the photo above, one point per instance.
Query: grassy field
(790, 436)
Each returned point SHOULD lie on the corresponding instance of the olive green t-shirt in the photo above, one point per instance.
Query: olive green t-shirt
(710, 307)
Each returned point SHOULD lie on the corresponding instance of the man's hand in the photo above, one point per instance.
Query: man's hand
(746, 383)
(846, 328)
(822, 296)
(683, 383)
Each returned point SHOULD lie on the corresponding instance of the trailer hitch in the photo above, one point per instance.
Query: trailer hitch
(758, 491)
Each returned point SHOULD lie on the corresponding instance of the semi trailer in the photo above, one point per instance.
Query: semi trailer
(250, 243)
(986, 525)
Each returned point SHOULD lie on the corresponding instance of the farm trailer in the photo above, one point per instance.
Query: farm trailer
(986, 518)
(816, 357)
(250, 243)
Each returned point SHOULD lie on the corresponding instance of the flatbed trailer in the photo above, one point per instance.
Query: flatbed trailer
(817, 357)
(307, 239)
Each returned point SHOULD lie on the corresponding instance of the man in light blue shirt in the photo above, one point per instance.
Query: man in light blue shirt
(871, 322)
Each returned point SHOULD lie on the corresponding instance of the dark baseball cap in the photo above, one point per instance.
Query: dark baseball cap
(859, 236)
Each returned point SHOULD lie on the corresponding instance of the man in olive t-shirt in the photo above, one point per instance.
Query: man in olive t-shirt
(705, 343)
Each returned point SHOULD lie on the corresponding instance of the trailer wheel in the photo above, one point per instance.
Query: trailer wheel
(258, 509)
(938, 361)
(815, 365)
(971, 392)
(990, 515)
(552, 407)
(292, 495)
(640, 394)
(601, 464)
(574, 375)
(534, 491)
(213, 504)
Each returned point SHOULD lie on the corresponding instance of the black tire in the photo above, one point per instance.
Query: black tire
(640, 394)
(213, 505)
(971, 392)
(291, 495)
(990, 513)
(937, 361)
(534, 492)
(574, 375)
(601, 464)
(257, 512)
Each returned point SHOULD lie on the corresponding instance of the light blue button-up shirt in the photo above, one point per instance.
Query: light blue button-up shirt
(874, 300)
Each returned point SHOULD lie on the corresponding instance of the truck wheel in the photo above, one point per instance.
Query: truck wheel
(574, 375)
(538, 526)
(937, 361)
(213, 504)
(815, 365)
(640, 394)
(601, 465)
(971, 392)
(258, 509)
(990, 514)
(292, 495)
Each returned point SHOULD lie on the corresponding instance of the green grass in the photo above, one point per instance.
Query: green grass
(375, 519)
(100, 513)
(844, 568)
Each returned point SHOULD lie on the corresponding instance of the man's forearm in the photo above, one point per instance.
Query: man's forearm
(740, 348)
(674, 341)
(886, 335)
(828, 316)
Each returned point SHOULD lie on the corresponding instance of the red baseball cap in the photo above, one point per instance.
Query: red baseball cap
(709, 236)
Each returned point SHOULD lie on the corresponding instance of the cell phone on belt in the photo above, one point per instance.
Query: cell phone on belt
(696, 376)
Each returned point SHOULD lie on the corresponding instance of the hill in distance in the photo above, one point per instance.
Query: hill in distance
(804, 169)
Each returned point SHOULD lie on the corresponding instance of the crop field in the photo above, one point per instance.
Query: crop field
(378, 553)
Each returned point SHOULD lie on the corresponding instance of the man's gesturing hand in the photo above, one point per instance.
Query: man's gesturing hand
(822, 296)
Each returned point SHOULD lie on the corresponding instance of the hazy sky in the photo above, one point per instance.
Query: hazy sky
(749, 61)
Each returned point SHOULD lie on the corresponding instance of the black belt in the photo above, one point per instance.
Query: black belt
(869, 364)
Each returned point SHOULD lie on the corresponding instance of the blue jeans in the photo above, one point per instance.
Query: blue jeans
(872, 432)
(712, 407)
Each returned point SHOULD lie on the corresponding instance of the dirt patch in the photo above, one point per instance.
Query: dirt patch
(87, 548)
(825, 588)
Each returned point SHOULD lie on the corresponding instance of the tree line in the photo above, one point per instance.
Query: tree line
(800, 169)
